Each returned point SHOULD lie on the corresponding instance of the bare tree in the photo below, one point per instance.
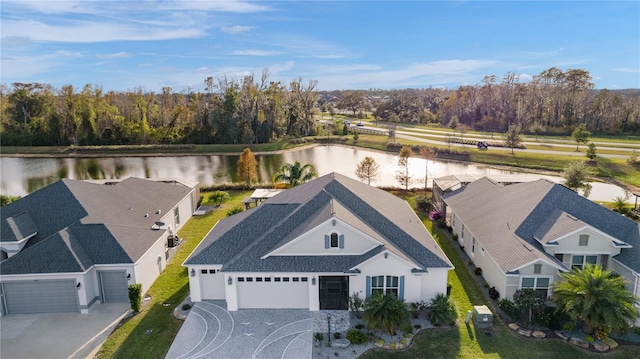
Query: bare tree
(402, 175)
(368, 169)
(428, 153)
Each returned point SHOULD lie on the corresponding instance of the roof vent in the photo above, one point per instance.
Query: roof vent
(159, 211)
(131, 208)
(146, 214)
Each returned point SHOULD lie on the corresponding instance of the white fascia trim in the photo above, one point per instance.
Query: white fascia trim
(624, 265)
(20, 241)
(541, 260)
(409, 264)
(587, 226)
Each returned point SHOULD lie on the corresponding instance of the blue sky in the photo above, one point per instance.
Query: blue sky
(123, 45)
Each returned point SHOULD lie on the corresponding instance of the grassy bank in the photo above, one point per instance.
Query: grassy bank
(131, 339)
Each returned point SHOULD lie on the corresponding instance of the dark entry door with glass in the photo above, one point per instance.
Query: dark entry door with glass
(334, 293)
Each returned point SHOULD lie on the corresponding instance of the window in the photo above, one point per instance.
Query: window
(453, 220)
(580, 261)
(462, 232)
(473, 245)
(249, 279)
(584, 240)
(176, 215)
(285, 279)
(212, 271)
(384, 285)
(296, 279)
(540, 284)
(240, 279)
(304, 279)
(203, 271)
(334, 240)
(258, 279)
(559, 256)
(276, 279)
(537, 268)
(267, 279)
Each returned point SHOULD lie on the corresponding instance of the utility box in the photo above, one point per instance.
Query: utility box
(482, 316)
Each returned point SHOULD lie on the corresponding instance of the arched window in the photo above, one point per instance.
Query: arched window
(335, 243)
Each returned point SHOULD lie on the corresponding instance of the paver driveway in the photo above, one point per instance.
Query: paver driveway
(210, 331)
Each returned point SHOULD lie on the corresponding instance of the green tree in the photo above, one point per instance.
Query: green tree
(580, 134)
(5, 199)
(402, 175)
(596, 297)
(442, 311)
(218, 197)
(575, 177)
(512, 138)
(591, 151)
(368, 169)
(531, 301)
(385, 312)
(295, 174)
(247, 167)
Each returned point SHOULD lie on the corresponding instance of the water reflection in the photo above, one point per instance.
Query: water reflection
(19, 176)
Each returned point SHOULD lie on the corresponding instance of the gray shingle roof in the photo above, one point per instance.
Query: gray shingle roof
(505, 219)
(80, 223)
(17, 228)
(239, 243)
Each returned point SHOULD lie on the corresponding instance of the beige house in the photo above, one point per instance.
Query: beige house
(524, 235)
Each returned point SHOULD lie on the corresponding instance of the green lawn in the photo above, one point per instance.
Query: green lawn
(131, 340)
(464, 342)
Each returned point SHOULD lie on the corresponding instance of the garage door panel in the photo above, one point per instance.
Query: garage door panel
(291, 295)
(114, 286)
(46, 296)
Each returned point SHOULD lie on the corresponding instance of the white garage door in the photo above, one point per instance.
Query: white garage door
(273, 292)
(212, 284)
(114, 286)
(43, 296)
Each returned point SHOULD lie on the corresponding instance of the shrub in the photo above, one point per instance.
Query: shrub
(530, 301)
(441, 223)
(318, 336)
(636, 330)
(443, 311)
(359, 326)
(337, 335)
(435, 215)
(493, 293)
(417, 326)
(478, 271)
(454, 237)
(407, 329)
(135, 297)
(357, 337)
(589, 339)
(385, 312)
(234, 210)
(417, 307)
(544, 318)
(509, 308)
(424, 203)
(355, 136)
(356, 304)
(186, 306)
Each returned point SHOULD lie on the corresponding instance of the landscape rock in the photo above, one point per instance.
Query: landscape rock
(560, 335)
(539, 334)
(514, 326)
(579, 343)
(340, 343)
(600, 346)
(524, 332)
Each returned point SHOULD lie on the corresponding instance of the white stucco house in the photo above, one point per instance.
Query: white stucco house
(313, 246)
(73, 244)
(524, 235)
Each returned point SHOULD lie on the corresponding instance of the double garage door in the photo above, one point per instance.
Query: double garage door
(273, 292)
(44, 296)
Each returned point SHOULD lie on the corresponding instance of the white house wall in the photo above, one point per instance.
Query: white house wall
(211, 284)
(628, 275)
(313, 241)
(149, 266)
(432, 283)
(393, 266)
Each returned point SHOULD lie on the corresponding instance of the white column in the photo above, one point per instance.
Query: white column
(314, 293)
(231, 292)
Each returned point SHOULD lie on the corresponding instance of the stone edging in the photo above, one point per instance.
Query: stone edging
(596, 346)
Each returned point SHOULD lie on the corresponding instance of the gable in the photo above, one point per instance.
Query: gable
(584, 241)
(314, 241)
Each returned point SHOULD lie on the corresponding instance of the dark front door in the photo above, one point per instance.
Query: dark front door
(334, 293)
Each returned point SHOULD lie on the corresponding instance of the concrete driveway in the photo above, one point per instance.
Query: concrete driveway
(63, 335)
(212, 332)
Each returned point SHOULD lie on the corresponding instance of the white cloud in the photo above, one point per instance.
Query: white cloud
(16, 41)
(117, 55)
(627, 69)
(236, 29)
(256, 53)
(91, 32)
(215, 5)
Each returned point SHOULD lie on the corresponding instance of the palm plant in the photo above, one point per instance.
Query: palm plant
(596, 297)
(295, 174)
(385, 312)
(620, 205)
(442, 311)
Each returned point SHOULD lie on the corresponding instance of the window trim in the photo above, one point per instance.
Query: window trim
(583, 238)
(334, 238)
(387, 280)
(584, 260)
(535, 283)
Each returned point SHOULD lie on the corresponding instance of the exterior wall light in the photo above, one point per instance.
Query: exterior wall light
(193, 272)
(313, 281)
(230, 281)
(128, 276)
(78, 285)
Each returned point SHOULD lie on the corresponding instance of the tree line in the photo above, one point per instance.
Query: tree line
(256, 110)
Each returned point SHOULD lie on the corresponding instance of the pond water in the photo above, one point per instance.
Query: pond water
(20, 176)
